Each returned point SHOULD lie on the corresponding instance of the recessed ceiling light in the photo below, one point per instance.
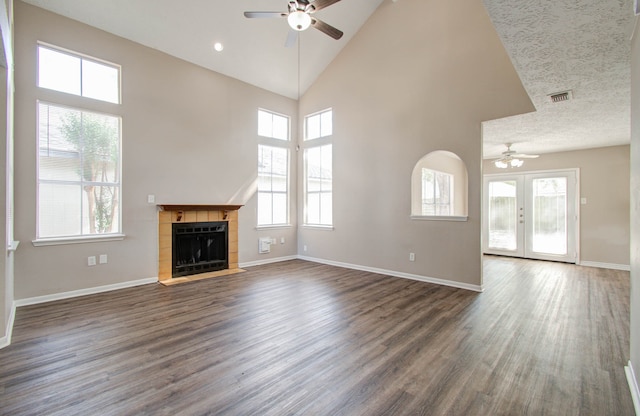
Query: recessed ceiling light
(218, 46)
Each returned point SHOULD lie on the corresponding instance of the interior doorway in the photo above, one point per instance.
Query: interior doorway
(531, 215)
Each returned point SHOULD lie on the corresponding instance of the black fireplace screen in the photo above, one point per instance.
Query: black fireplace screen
(199, 247)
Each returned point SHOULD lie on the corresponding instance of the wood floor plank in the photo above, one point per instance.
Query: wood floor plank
(301, 338)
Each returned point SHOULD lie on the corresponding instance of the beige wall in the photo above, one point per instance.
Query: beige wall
(396, 96)
(189, 136)
(635, 202)
(604, 181)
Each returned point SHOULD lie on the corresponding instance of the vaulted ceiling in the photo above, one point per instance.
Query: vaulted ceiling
(555, 46)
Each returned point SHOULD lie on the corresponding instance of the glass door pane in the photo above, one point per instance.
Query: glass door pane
(503, 215)
(531, 215)
(549, 216)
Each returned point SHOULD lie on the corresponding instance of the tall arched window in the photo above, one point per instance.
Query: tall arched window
(439, 187)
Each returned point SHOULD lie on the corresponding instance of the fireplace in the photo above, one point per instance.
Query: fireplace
(197, 242)
(199, 247)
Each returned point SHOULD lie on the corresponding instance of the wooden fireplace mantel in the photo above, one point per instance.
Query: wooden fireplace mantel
(183, 207)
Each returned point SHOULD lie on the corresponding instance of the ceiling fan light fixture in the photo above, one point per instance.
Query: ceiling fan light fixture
(516, 163)
(500, 164)
(299, 20)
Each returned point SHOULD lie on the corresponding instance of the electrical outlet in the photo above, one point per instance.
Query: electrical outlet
(151, 199)
(304, 248)
(412, 256)
(281, 240)
(91, 260)
(103, 259)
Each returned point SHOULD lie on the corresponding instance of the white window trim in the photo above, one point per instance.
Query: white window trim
(84, 57)
(83, 238)
(56, 241)
(306, 192)
(275, 226)
(439, 218)
(281, 144)
(277, 140)
(317, 113)
(310, 143)
(318, 227)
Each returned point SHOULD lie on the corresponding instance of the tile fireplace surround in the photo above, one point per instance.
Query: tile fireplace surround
(170, 214)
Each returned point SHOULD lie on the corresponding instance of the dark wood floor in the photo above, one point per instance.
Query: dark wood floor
(309, 339)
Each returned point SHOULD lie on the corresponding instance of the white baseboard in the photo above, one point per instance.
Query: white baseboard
(443, 282)
(84, 292)
(613, 266)
(266, 261)
(6, 339)
(633, 386)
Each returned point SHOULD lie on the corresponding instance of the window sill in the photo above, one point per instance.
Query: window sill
(269, 227)
(77, 240)
(457, 218)
(318, 227)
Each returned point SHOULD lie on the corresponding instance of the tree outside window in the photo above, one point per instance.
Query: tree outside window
(437, 192)
(78, 172)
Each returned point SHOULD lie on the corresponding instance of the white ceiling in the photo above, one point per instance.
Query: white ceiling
(254, 49)
(555, 45)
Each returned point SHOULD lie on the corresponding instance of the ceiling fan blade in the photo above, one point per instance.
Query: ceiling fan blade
(319, 4)
(292, 37)
(523, 156)
(253, 15)
(326, 28)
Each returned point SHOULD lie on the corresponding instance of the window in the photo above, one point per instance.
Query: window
(437, 192)
(273, 125)
(78, 172)
(439, 187)
(318, 125)
(318, 185)
(273, 170)
(72, 73)
(273, 185)
(318, 170)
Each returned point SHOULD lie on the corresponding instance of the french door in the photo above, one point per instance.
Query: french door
(531, 215)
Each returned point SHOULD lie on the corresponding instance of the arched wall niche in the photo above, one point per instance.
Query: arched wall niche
(448, 163)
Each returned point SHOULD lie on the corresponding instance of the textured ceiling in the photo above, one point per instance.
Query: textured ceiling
(555, 45)
(559, 45)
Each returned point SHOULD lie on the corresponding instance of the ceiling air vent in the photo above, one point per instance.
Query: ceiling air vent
(560, 96)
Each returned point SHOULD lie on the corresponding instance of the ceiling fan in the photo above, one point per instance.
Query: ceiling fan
(511, 159)
(300, 17)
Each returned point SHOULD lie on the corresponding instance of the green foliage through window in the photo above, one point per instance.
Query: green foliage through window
(79, 172)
